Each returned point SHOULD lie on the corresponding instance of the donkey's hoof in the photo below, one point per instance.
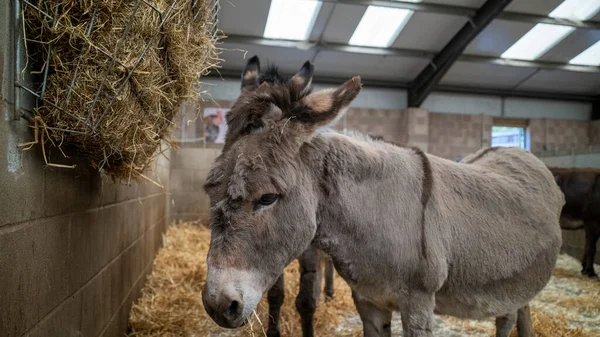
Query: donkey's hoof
(328, 298)
(273, 333)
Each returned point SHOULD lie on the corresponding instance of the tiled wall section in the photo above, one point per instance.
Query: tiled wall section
(558, 134)
(189, 168)
(537, 134)
(75, 248)
(566, 134)
(389, 124)
(416, 128)
(595, 132)
(454, 136)
(574, 243)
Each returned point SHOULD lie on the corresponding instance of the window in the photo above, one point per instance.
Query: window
(291, 19)
(508, 136)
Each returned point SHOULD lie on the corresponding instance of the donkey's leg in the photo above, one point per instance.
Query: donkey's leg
(505, 324)
(376, 322)
(275, 297)
(417, 314)
(592, 233)
(524, 326)
(310, 289)
(328, 279)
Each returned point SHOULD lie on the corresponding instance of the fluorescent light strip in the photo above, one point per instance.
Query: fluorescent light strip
(543, 37)
(576, 9)
(291, 19)
(537, 41)
(380, 26)
(589, 57)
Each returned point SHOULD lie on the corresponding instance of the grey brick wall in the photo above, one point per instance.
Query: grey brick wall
(189, 168)
(573, 244)
(72, 262)
(74, 247)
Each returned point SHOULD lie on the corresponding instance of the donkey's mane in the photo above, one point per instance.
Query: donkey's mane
(272, 76)
(248, 110)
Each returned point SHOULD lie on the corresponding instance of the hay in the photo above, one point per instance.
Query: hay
(551, 325)
(119, 108)
(171, 302)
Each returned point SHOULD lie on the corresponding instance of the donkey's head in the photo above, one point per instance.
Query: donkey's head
(262, 190)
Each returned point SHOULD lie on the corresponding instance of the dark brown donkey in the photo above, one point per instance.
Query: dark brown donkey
(310, 260)
(581, 187)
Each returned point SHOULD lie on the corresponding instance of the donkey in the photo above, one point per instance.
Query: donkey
(581, 187)
(310, 259)
(408, 232)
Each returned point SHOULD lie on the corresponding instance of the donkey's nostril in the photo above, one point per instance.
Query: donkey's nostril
(233, 311)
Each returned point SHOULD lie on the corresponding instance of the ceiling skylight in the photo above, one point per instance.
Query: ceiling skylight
(380, 26)
(576, 9)
(537, 41)
(544, 36)
(589, 57)
(291, 19)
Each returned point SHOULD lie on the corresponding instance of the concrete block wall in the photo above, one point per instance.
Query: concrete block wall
(558, 134)
(454, 136)
(416, 128)
(595, 132)
(369, 121)
(574, 243)
(74, 247)
(189, 168)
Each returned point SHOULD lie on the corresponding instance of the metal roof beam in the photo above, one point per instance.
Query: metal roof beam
(399, 52)
(470, 12)
(234, 74)
(441, 63)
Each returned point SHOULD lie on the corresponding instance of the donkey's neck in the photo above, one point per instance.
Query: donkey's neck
(370, 205)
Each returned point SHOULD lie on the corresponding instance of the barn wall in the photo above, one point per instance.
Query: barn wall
(595, 132)
(369, 121)
(440, 102)
(454, 136)
(189, 168)
(74, 246)
(553, 134)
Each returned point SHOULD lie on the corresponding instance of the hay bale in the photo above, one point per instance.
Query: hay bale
(117, 71)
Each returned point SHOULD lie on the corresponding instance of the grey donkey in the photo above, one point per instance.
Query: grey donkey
(310, 260)
(409, 232)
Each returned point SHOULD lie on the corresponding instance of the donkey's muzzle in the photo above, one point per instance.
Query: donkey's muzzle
(226, 309)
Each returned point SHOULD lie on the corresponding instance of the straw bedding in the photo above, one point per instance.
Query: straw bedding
(171, 303)
(119, 108)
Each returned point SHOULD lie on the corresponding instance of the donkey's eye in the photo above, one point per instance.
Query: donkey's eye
(267, 199)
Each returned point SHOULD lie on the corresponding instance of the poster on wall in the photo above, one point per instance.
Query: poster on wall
(215, 125)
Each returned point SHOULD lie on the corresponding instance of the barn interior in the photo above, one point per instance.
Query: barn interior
(85, 254)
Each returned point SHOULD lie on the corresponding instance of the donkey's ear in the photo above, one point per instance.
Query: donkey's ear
(323, 107)
(303, 78)
(251, 73)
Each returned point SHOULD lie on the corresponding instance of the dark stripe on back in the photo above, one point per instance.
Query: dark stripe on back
(426, 190)
(483, 153)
